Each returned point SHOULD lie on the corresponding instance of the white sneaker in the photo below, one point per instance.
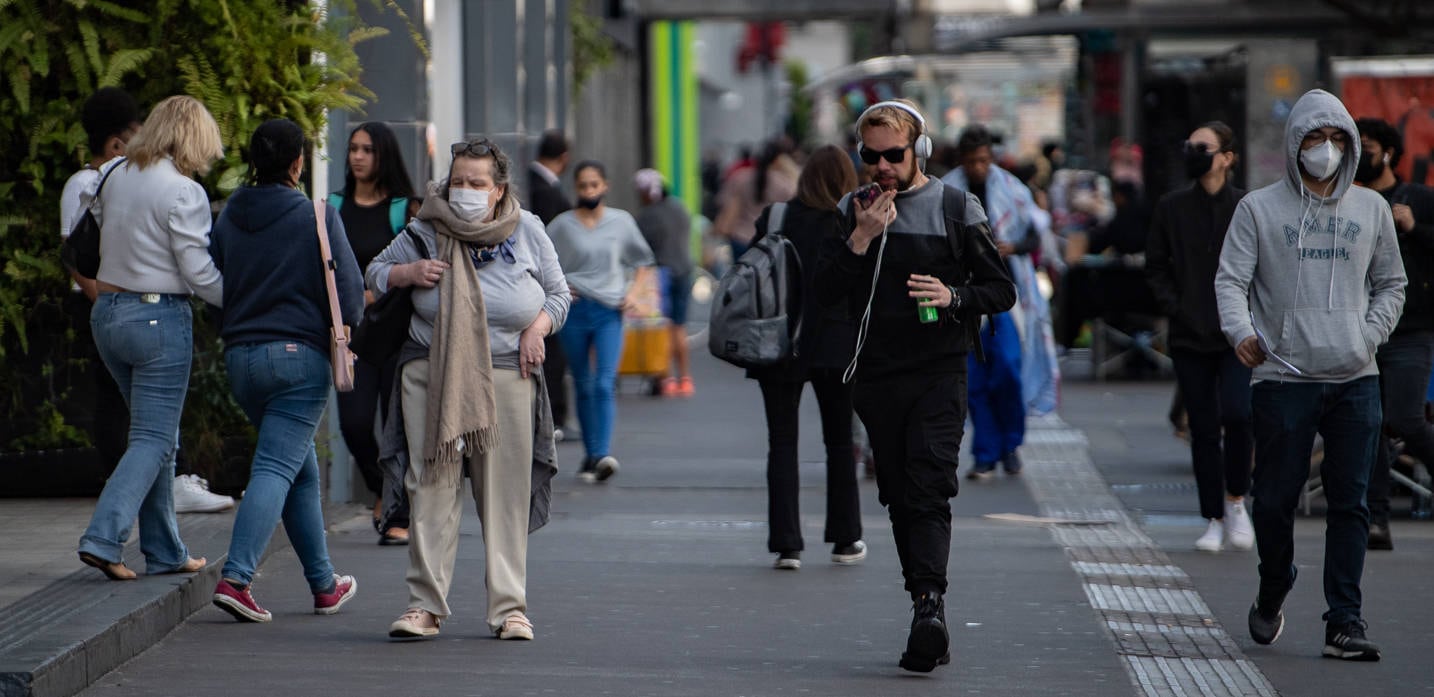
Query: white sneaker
(1238, 528)
(192, 495)
(1214, 538)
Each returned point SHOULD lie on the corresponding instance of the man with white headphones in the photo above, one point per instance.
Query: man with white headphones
(919, 268)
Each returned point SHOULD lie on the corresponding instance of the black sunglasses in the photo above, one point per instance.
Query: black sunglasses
(894, 155)
(477, 149)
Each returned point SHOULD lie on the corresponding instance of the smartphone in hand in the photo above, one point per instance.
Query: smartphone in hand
(866, 194)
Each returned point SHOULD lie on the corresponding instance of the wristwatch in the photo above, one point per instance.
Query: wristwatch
(955, 306)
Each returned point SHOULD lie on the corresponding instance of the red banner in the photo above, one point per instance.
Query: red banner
(1407, 103)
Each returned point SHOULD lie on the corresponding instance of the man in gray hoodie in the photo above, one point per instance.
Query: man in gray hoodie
(1310, 282)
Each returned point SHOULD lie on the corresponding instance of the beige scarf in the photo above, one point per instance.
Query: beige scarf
(462, 411)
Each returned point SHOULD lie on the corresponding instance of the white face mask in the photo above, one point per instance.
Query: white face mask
(468, 204)
(1322, 161)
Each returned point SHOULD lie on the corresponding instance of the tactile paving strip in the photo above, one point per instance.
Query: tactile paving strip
(1170, 641)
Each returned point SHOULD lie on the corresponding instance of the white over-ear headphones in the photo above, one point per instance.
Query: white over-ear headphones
(922, 146)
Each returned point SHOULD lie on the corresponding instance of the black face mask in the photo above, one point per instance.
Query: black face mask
(1369, 169)
(589, 203)
(1198, 162)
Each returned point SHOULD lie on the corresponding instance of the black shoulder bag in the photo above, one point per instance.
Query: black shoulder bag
(81, 251)
(384, 327)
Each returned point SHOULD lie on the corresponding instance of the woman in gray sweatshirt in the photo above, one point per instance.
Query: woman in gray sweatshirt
(487, 291)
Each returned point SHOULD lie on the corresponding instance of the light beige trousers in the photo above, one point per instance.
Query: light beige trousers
(502, 485)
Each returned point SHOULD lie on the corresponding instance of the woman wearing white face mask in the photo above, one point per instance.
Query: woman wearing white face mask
(487, 290)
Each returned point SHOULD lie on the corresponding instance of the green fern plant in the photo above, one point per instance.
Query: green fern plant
(248, 61)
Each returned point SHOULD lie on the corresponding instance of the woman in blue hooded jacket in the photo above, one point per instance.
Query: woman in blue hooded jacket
(276, 334)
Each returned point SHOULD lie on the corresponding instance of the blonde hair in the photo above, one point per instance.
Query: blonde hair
(893, 118)
(181, 128)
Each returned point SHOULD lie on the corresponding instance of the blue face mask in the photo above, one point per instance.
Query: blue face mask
(1322, 161)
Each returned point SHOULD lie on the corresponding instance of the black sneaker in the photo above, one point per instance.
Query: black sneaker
(606, 467)
(1267, 620)
(981, 470)
(1379, 537)
(788, 561)
(929, 644)
(849, 553)
(1012, 463)
(588, 470)
(1346, 642)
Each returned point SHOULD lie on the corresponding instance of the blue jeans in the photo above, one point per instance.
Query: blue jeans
(998, 412)
(592, 339)
(1287, 417)
(147, 347)
(1405, 362)
(282, 386)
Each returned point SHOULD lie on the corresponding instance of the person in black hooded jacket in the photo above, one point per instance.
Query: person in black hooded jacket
(1406, 360)
(823, 350)
(1182, 255)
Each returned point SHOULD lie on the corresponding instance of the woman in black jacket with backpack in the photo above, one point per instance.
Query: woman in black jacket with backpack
(823, 350)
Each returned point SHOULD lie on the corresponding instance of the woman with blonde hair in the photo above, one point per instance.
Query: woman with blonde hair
(154, 253)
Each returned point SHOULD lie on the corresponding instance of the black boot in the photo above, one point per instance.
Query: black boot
(929, 643)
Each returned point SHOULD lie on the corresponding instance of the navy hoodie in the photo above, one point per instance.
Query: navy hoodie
(266, 245)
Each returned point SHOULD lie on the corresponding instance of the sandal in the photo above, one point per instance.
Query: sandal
(114, 571)
(393, 537)
(190, 566)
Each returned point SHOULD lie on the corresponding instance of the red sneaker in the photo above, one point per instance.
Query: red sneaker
(238, 602)
(685, 388)
(668, 387)
(345, 588)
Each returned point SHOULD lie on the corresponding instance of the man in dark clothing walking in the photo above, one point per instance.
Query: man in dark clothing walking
(919, 290)
(547, 201)
(545, 192)
(1405, 361)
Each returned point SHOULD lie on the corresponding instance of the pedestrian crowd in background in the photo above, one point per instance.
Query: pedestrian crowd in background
(946, 291)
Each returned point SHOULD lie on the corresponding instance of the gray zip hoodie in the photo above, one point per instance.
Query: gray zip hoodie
(1322, 277)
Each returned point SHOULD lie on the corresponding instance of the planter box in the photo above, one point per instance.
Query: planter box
(70, 472)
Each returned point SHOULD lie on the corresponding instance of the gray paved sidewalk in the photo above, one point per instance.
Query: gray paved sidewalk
(659, 583)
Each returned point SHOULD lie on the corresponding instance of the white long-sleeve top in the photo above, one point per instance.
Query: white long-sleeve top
(154, 231)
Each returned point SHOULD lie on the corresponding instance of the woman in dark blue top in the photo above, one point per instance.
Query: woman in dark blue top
(276, 335)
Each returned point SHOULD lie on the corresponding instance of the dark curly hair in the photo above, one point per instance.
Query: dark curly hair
(1388, 137)
(109, 112)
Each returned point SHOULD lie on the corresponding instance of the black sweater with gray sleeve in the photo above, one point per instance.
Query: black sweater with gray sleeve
(917, 243)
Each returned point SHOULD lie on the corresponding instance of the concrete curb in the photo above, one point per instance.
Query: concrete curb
(65, 637)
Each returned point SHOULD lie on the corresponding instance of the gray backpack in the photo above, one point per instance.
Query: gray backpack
(750, 326)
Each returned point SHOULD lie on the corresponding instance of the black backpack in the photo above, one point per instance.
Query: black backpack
(750, 326)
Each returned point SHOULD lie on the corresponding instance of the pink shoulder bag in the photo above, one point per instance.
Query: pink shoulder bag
(340, 357)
